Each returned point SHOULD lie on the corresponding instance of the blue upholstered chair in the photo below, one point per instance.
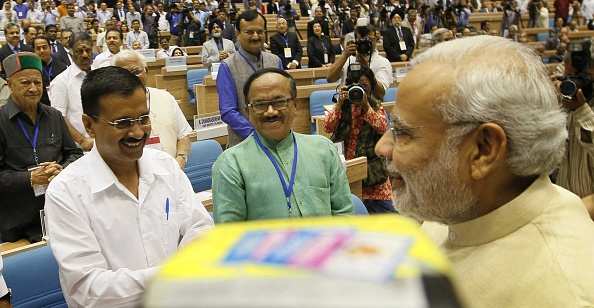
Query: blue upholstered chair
(390, 95)
(195, 76)
(358, 206)
(199, 166)
(33, 278)
(317, 100)
(321, 81)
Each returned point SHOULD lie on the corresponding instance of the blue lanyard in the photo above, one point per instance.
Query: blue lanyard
(248, 61)
(286, 39)
(28, 137)
(288, 190)
(48, 71)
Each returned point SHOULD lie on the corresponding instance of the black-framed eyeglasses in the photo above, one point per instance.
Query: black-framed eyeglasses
(278, 104)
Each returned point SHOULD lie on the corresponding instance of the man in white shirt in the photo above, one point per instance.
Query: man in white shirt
(64, 91)
(7, 15)
(470, 157)
(4, 292)
(163, 22)
(170, 129)
(137, 35)
(111, 231)
(103, 14)
(132, 15)
(101, 41)
(380, 66)
(113, 40)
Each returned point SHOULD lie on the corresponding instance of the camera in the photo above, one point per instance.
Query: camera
(364, 44)
(354, 90)
(580, 61)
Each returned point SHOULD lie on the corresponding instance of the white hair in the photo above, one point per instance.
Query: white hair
(128, 55)
(503, 82)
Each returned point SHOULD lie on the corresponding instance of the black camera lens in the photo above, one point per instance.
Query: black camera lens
(364, 47)
(568, 88)
(356, 93)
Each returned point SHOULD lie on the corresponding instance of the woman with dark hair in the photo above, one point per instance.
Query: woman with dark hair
(177, 52)
(359, 124)
(319, 48)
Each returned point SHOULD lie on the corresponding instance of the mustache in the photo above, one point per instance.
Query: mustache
(132, 139)
(391, 169)
(272, 119)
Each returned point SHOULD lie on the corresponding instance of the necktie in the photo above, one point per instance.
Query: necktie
(54, 48)
(400, 33)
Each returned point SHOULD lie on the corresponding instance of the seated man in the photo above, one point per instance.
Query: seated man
(276, 173)
(477, 158)
(34, 147)
(169, 128)
(111, 231)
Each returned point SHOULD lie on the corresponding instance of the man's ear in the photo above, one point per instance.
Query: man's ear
(489, 150)
(88, 122)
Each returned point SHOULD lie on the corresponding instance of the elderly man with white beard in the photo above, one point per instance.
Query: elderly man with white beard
(476, 131)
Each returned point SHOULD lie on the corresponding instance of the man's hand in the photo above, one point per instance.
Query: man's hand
(87, 144)
(45, 173)
(575, 102)
(351, 48)
(292, 65)
(223, 55)
(403, 57)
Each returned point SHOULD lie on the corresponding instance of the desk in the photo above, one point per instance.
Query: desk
(356, 170)
(176, 84)
(156, 67)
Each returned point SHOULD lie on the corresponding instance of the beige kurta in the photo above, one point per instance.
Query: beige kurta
(536, 251)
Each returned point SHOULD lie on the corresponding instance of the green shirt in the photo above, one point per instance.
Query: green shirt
(245, 184)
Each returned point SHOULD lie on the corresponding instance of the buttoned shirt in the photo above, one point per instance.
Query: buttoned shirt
(381, 67)
(49, 18)
(35, 16)
(133, 16)
(18, 204)
(167, 120)
(139, 36)
(535, 251)
(163, 22)
(64, 94)
(107, 242)
(102, 60)
(3, 287)
(74, 24)
(103, 16)
(246, 186)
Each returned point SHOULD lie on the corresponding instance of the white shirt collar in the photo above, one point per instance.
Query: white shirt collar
(103, 177)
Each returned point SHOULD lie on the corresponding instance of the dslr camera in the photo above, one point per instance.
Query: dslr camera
(580, 61)
(354, 89)
(364, 44)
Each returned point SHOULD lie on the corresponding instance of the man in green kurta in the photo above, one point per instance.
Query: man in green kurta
(277, 173)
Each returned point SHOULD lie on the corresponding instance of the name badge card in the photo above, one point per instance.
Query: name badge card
(288, 52)
(325, 58)
(402, 45)
(175, 64)
(150, 55)
(214, 70)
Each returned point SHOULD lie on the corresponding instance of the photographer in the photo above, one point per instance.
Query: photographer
(576, 172)
(363, 51)
(359, 120)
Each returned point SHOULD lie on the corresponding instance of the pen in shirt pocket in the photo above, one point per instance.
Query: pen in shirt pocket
(167, 208)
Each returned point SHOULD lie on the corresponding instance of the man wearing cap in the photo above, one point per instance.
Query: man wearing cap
(34, 147)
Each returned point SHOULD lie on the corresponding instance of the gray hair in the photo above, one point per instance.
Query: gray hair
(503, 82)
(128, 55)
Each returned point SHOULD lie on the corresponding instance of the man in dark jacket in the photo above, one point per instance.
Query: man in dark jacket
(399, 43)
(286, 45)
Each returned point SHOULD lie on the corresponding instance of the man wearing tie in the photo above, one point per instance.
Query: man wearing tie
(57, 48)
(286, 45)
(413, 23)
(119, 12)
(398, 41)
(273, 7)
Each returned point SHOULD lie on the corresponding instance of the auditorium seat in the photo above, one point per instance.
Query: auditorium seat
(390, 95)
(358, 206)
(317, 100)
(33, 278)
(321, 81)
(199, 166)
(194, 76)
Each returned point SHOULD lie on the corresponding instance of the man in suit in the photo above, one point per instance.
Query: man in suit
(51, 65)
(398, 41)
(13, 43)
(318, 18)
(58, 50)
(286, 45)
(228, 28)
(119, 12)
(273, 7)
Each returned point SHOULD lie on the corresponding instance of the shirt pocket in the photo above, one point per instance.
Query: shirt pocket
(316, 201)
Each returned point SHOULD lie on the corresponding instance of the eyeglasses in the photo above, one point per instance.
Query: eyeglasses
(143, 120)
(277, 104)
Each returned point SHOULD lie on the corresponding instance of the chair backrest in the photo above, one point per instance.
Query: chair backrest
(33, 278)
(317, 100)
(195, 76)
(320, 81)
(390, 95)
(199, 166)
(358, 206)
(542, 37)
